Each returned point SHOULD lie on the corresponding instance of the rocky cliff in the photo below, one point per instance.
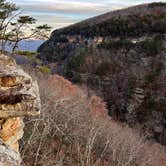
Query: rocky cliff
(130, 23)
(19, 97)
(121, 56)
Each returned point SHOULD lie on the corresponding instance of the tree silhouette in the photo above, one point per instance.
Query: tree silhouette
(15, 28)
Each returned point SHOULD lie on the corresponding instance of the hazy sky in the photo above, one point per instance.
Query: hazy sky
(60, 13)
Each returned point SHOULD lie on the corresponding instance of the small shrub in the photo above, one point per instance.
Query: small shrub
(73, 76)
(45, 70)
(76, 61)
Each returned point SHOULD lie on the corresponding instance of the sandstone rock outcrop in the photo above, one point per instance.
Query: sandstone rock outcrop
(19, 97)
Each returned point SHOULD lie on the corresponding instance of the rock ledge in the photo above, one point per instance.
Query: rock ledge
(19, 97)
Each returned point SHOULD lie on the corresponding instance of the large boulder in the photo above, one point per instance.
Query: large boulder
(19, 95)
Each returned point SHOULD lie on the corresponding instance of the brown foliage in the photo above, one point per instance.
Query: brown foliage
(71, 133)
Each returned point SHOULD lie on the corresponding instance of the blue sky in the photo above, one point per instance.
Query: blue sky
(60, 13)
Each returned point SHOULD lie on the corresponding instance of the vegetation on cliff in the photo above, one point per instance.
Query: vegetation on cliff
(121, 56)
(74, 129)
(133, 23)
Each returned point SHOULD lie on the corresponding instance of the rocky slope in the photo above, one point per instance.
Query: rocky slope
(19, 97)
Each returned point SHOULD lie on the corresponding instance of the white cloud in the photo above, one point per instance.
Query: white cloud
(55, 21)
(69, 6)
(60, 13)
(73, 11)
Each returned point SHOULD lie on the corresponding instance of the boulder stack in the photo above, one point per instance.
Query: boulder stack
(19, 97)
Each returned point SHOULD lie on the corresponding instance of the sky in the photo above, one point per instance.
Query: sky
(61, 13)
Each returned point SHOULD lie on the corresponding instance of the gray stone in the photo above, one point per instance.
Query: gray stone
(8, 157)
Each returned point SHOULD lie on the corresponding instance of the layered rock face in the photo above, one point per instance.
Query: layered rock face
(19, 97)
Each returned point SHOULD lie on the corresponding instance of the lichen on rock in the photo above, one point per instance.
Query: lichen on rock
(19, 97)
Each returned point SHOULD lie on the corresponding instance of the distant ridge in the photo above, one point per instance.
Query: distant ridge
(132, 22)
(145, 9)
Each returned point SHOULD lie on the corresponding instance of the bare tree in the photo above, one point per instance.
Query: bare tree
(70, 132)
